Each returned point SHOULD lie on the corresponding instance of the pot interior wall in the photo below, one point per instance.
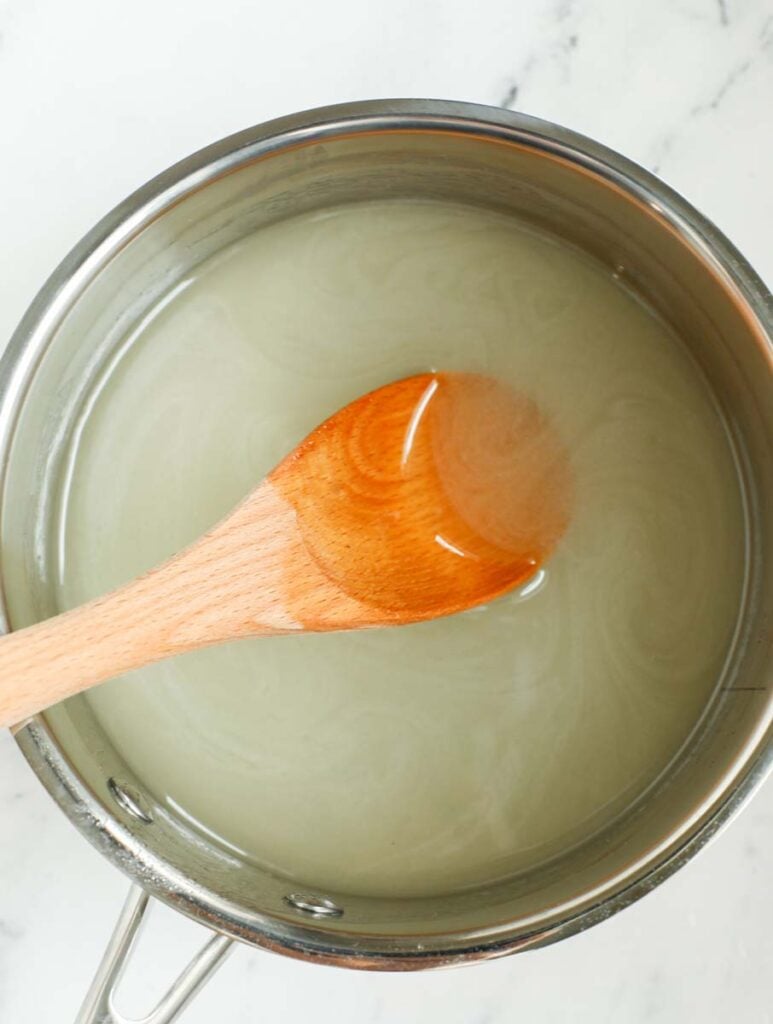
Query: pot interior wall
(588, 210)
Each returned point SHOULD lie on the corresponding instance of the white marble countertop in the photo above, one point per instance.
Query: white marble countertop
(96, 97)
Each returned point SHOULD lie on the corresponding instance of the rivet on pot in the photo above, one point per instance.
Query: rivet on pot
(130, 800)
(314, 906)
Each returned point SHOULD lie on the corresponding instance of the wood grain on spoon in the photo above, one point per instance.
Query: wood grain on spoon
(428, 496)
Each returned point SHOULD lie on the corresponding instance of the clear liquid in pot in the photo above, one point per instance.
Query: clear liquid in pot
(443, 755)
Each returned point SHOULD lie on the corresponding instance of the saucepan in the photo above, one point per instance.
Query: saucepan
(674, 259)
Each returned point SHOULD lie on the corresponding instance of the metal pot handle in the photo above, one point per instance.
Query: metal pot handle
(98, 1005)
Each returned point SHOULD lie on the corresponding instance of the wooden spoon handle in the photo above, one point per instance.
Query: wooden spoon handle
(192, 600)
(236, 581)
(45, 663)
(156, 616)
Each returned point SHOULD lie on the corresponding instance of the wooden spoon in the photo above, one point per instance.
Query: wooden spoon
(428, 496)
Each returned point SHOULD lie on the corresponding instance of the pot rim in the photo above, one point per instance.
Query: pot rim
(17, 368)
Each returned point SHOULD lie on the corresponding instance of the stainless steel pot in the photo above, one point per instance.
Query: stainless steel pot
(625, 217)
